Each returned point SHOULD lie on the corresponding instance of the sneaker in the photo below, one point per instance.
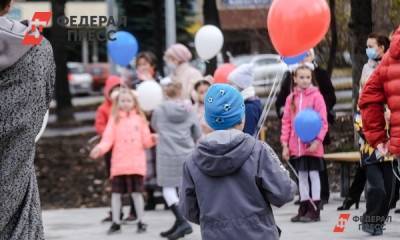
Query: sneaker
(142, 227)
(115, 228)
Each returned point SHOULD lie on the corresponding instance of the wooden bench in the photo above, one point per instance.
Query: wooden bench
(345, 159)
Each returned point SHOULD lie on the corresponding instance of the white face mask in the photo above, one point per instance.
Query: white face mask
(171, 66)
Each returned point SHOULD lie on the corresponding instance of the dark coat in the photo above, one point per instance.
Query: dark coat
(253, 114)
(219, 189)
(27, 79)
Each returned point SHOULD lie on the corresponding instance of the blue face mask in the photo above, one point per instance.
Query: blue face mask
(372, 54)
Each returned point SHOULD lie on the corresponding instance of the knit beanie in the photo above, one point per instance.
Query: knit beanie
(179, 52)
(224, 107)
(242, 76)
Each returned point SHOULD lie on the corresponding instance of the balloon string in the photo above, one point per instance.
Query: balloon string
(268, 104)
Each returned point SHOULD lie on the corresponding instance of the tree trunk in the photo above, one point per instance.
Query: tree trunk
(334, 38)
(360, 27)
(211, 16)
(381, 17)
(158, 32)
(59, 41)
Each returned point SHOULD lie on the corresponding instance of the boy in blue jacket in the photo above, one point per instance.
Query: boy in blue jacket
(219, 188)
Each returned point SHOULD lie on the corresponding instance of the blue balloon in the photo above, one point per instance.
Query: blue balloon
(307, 124)
(123, 49)
(294, 59)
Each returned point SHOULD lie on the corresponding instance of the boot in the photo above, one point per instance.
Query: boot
(302, 211)
(180, 228)
(373, 228)
(312, 215)
(177, 214)
(347, 203)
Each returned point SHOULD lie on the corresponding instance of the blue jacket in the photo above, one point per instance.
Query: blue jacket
(253, 114)
(219, 189)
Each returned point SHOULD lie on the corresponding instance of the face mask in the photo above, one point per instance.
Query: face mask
(371, 53)
(171, 66)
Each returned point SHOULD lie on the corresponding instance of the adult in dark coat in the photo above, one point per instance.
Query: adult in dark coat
(27, 75)
(328, 92)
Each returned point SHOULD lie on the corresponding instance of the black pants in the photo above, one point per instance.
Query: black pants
(381, 186)
(358, 184)
(323, 175)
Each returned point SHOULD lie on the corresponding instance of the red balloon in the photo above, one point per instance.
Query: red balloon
(295, 26)
(222, 72)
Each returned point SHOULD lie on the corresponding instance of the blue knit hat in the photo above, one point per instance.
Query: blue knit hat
(224, 107)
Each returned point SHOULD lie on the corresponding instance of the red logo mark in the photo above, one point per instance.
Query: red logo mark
(340, 226)
(39, 20)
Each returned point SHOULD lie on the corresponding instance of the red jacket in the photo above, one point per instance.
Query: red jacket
(383, 87)
(104, 110)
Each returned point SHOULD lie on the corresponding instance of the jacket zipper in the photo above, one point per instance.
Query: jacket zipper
(300, 105)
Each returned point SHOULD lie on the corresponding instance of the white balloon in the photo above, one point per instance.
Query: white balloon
(208, 41)
(150, 95)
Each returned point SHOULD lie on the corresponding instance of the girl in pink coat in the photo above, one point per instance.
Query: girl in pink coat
(128, 134)
(306, 158)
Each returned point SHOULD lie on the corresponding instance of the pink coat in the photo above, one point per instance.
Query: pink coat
(128, 139)
(308, 98)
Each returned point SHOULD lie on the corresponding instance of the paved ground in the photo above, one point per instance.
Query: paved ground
(84, 224)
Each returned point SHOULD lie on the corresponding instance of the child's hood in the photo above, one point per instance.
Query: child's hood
(12, 34)
(111, 82)
(223, 152)
(176, 111)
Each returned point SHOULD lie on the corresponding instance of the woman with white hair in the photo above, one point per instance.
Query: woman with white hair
(177, 59)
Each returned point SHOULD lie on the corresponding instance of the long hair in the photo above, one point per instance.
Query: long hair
(115, 106)
(293, 84)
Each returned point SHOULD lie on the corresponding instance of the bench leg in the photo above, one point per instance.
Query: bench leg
(344, 179)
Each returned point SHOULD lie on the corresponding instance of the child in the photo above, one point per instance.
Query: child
(219, 189)
(201, 88)
(178, 128)
(128, 134)
(242, 79)
(111, 89)
(307, 158)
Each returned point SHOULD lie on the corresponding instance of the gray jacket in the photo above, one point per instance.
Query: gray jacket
(219, 191)
(27, 75)
(178, 129)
